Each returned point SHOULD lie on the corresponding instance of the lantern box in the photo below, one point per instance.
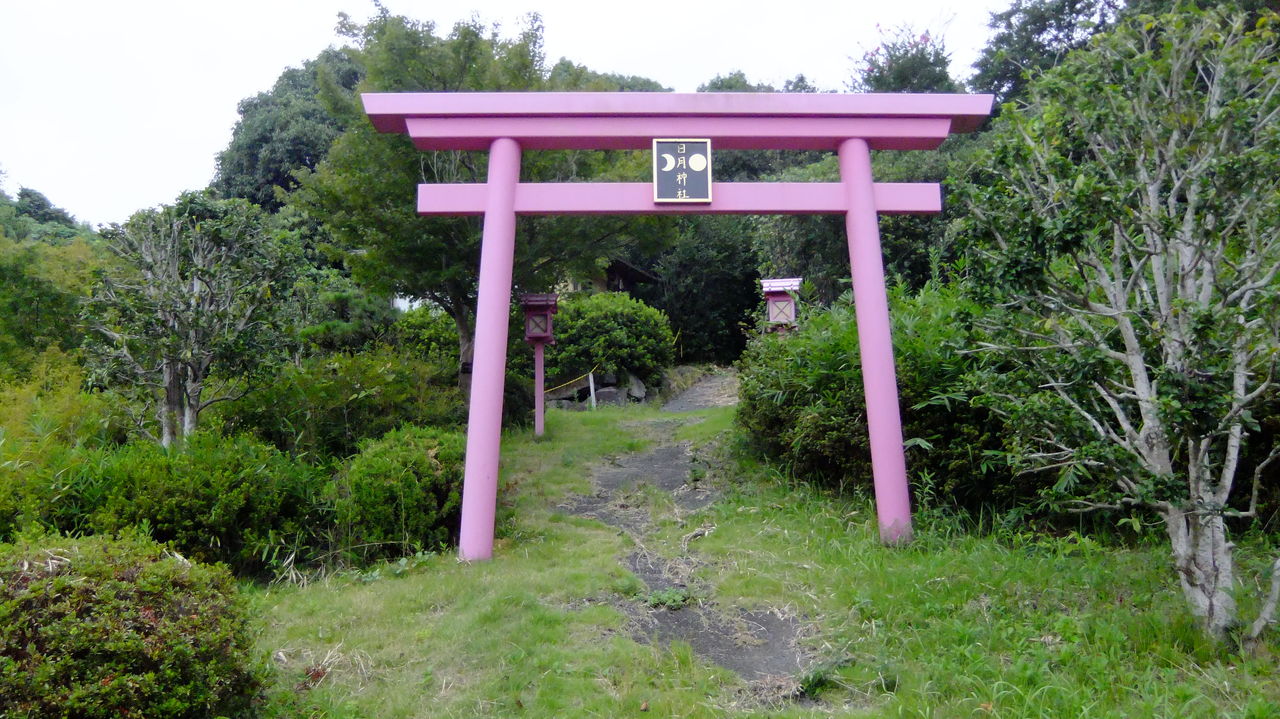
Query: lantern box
(780, 304)
(538, 310)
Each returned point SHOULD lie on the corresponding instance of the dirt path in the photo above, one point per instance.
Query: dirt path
(717, 390)
(760, 646)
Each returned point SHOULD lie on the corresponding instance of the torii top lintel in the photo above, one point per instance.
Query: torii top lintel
(630, 120)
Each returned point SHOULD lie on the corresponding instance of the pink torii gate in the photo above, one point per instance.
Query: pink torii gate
(506, 123)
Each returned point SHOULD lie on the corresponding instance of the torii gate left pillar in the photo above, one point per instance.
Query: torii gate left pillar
(489, 363)
(503, 123)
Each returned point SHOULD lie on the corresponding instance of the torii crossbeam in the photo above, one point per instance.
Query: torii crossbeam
(506, 123)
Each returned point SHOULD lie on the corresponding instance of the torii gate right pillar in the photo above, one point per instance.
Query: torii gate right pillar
(875, 346)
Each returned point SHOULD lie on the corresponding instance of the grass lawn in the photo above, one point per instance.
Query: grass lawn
(954, 625)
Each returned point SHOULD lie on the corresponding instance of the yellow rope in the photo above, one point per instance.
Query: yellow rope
(566, 384)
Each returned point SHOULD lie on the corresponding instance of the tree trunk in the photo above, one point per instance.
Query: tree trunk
(191, 407)
(172, 404)
(466, 355)
(466, 345)
(1203, 560)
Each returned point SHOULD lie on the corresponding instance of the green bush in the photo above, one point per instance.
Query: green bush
(48, 425)
(326, 406)
(55, 486)
(354, 319)
(216, 499)
(49, 406)
(612, 332)
(802, 402)
(517, 400)
(401, 493)
(101, 627)
(429, 333)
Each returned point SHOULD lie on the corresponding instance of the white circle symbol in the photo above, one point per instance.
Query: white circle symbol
(671, 162)
(697, 163)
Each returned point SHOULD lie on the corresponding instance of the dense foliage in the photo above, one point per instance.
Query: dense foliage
(1031, 36)
(101, 627)
(32, 216)
(801, 402)
(247, 505)
(217, 499)
(282, 131)
(1127, 217)
(428, 333)
(35, 312)
(709, 289)
(348, 320)
(324, 406)
(402, 493)
(190, 295)
(610, 332)
(46, 266)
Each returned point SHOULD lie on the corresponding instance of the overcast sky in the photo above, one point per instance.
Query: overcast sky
(110, 106)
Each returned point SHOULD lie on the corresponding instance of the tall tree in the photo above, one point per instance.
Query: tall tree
(1033, 36)
(905, 61)
(191, 294)
(39, 304)
(282, 131)
(35, 205)
(364, 189)
(815, 246)
(708, 286)
(1130, 213)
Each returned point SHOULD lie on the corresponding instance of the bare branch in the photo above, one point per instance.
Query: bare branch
(1266, 615)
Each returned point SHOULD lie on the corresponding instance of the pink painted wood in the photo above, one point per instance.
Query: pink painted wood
(636, 198)
(388, 111)
(489, 365)
(637, 133)
(504, 122)
(875, 345)
(539, 393)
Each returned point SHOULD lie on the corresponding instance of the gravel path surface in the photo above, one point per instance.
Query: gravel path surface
(760, 646)
(717, 390)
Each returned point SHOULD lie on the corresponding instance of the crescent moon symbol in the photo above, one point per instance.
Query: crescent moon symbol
(671, 162)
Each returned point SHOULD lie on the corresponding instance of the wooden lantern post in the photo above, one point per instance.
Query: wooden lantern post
(538, 310)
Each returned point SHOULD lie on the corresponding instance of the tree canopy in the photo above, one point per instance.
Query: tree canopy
(905, 61)
(1032, 36)
(363, 191)
(32, 216)
(192, 293)
(35, 205)
(282, 131)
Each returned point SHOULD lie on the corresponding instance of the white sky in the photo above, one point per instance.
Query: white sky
(110, 106)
